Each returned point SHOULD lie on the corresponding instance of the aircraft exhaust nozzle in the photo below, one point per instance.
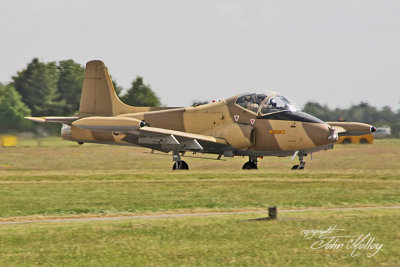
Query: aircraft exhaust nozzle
(109, 124)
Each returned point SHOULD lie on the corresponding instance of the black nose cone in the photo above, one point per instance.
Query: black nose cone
(373, 129)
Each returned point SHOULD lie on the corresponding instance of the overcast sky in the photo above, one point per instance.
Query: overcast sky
(334, 52)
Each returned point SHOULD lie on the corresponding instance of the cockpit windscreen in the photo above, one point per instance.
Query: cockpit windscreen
(265, 104)
(277, 103)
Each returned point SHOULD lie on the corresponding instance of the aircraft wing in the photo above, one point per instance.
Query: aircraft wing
(65, 120)
(152, 137)
(351, 128)
(167, 140)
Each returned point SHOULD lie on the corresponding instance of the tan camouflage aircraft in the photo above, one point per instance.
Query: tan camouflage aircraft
(250, 124)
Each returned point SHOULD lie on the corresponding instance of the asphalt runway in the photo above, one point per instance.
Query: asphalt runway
(160, 216)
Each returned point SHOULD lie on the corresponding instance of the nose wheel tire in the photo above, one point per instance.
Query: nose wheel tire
(250, 165)
(180, 165)
(298, 167)
(302, 164)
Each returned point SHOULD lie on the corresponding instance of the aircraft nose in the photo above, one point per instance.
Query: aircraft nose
(321, 133)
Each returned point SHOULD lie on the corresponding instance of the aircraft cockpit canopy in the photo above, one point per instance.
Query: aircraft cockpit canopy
(251, 102)
(265, 103)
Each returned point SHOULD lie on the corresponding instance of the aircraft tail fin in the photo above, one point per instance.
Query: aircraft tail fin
(98, 94)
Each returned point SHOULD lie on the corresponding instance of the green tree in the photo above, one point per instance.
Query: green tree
(69, 85)
(37, 85)
(386, 115)
(117, 87)
(12, 109)
(317, 110)
(363, 112)
(141, 95)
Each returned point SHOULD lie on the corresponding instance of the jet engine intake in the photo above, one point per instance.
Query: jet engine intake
(238, 135)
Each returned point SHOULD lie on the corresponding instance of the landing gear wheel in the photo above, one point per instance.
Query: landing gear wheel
(298, 167)
(180, 165)
(250, 165)
(302, 163)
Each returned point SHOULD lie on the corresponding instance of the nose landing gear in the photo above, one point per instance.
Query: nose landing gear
(251, 164)
(302, 164)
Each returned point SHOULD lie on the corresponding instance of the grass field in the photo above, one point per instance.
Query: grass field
(62, 179)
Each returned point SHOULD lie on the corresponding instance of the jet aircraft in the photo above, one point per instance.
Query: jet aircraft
(250, 124)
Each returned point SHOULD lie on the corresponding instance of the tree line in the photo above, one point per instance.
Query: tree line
(54, 88)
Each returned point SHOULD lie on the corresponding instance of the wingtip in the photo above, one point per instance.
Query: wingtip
(36, 119)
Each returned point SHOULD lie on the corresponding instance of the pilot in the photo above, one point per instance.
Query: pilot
(251, 103)
(242, 101)
(260, 99)
(253, 107)
(273, 103)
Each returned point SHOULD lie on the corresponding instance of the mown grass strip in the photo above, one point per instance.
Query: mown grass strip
(205, 241)
(78, 197)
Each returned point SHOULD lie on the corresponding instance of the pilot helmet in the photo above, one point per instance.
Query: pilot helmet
(273, 103)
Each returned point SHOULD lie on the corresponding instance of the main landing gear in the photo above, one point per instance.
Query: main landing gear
(301, 165)
(251, 164)
(179, 164)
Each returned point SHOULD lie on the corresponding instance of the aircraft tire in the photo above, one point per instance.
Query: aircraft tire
(297, 167)
(180, 165)
(250, 166)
